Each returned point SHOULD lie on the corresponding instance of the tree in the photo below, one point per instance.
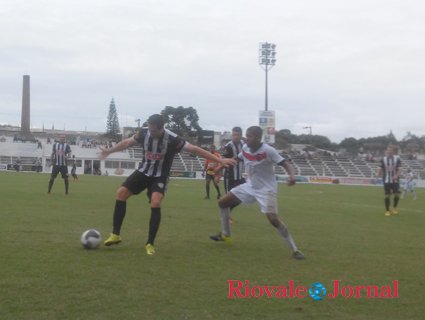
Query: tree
(182, 121)
(112, 124)
(351, 145)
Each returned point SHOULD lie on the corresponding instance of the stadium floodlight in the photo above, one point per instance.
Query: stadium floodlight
(267, 60)
(309, 127)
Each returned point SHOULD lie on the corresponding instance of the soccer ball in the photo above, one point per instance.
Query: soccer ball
(90, 239)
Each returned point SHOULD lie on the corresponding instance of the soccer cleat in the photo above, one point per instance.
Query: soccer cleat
(387, 213)
(221, 237)
(394, 211)
(113, 239)
(150, 250)
(298, 255)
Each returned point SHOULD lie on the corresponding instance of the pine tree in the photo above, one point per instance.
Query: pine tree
(112, 124)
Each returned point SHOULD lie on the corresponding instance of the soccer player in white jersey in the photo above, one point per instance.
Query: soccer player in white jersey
(409, 185)
(389, 169)
(159, 148)
(260, 187)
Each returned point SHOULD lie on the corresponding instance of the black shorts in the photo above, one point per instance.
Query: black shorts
(229, 184)
(62, 169)
(138, 182)
(392, 188)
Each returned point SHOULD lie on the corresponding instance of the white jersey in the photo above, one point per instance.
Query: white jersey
(410, 176)
(259, 167)
(410, 181)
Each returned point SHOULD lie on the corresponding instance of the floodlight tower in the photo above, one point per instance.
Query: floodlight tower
(267, 60)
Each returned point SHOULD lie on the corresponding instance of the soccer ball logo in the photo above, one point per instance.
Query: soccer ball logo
(90, 239)
(317, 291)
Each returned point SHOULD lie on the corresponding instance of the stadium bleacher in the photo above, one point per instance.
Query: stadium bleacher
(318, 164)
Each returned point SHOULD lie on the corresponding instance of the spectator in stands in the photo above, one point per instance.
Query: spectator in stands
(389, 169)
(18, 165)
(60, 153)
(39, 145)
(210, 174)
(37, 164)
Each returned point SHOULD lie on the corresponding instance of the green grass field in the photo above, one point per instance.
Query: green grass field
(46, 274)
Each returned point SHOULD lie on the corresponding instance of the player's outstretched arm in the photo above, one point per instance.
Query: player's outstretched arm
(290, 170)
(124, 144)
(208, 155)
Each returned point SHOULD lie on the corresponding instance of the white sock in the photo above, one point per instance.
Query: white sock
(284, 232)
(225, 226)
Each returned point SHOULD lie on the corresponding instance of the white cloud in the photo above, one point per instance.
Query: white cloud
(346, 68)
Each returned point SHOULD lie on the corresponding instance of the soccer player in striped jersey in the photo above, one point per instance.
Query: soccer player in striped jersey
(233, 176)
(389, 169)
(60, 153)
(261, 187)
(159, 148)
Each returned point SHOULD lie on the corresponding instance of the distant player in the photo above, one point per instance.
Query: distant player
(211, 174)
(159, 148)
(60, 153)
(233, 176)
(409, 185)
(74, 169)
(389, 169)
(261, 187)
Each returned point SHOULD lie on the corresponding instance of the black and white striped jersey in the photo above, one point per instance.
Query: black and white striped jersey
(158, 153)
(389, 166)
(231, 150)
(60, 153)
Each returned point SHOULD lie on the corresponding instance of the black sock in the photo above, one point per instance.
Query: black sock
(50, 185)
(387, 203)
(207, 188)
(395, 201)
(66, 185)
(119, 214)
(154, 224)
(218, 189)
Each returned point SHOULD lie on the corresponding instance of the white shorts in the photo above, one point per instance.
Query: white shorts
(247, 195)
(410, 186)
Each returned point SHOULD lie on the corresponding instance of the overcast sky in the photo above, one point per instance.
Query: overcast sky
(346, 68)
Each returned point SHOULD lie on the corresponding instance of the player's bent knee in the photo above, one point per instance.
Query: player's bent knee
(156, 200)
(228, 201)
(123, 194)
(155, 203)
(224, 202)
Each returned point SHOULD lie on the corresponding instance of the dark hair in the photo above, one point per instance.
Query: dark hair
(156, 120)
(237, 129)
(256, 131)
